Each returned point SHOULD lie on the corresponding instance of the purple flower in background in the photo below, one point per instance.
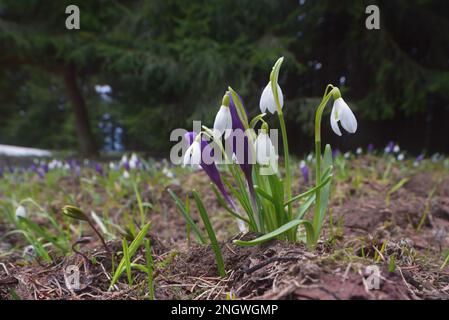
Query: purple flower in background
(418, 160)
(1, 172)
(126, 166)
(99, 168)
(335, 153)
(389, 148)
(44, 167)
(35, 169)
(304, 171)
(370, 148)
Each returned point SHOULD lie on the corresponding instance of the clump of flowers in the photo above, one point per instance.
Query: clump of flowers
(258, 194)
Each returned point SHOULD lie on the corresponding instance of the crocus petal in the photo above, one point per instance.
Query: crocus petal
(267, 101)
(334, 120)
(347, 118)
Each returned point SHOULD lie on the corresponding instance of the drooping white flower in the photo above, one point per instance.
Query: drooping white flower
(359, 151)
(347, 155)
(341, 112)
(21, 212)
(133, 161)
(267, 101)
(396, 149)
(309, 157)
(401, 157)
(265, 151)
(223, 121)
(124, 159)
(125, 174)
(193, 154)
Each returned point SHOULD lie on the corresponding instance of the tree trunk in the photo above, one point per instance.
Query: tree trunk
(86, 139)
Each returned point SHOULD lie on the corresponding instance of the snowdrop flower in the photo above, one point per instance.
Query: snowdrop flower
(168, 173)
(125, 174)
(21, 212)
(223, 119)
(310, 157)
(401, 157)
(396, 149)
(341, 112)
(124, 159)
(265, 151)
(347, 155)
(359, 151)
(193, 154)
(418, 160)
(267, 101)
(66, 166)
(111, 165)
(133, 161)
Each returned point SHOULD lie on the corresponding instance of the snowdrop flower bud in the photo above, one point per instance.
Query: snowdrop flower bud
(396, 149)
(265, 151)
(193, 154)
(126, 174)
(400, 157)
(359, 151)
(21, 212)
(341, 112)
(267, 101)
(347, 155)
(223, 119)
(310, 157)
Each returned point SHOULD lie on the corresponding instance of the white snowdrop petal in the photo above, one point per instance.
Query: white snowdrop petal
(265, 99)
(334, 120)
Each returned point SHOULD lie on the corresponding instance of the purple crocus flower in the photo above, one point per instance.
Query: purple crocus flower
(35, 169)
(210, 169)
(420, 157)
(44, 167)
(244, 160)
(99, 168)
(305, 171)
(335, 153)
(370, 148)
(126, 166)
(390, 147)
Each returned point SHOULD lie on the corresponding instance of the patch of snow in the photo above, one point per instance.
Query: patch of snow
(13, 151)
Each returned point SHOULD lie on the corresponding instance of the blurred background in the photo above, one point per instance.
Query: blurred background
(136, 70)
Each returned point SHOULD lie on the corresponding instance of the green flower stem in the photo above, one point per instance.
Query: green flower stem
(318, 116)
(274, 84)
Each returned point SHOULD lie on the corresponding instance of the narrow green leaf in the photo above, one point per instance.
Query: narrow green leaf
(211, 233)
(189, 220)
(273, 234)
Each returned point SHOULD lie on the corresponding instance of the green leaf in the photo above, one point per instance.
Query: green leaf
(211, 234)
(273, 234)
(189, 220)
(132, 250)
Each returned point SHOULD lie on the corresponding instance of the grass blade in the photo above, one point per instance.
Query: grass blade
(211, 233)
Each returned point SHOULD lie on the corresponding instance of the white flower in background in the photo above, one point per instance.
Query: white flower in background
(133, 161)
(168, 173)
(396, 149)
(125, 174)
(66, 166)
(111, 165)
(193, 154)
(310, 157)
(302, 164)
(347, 155)
(265, 151)
(359, 151)
(267, 101)
(124, 159)
(341, 112)
(29, 252)
(21, 212)
(401, 157)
